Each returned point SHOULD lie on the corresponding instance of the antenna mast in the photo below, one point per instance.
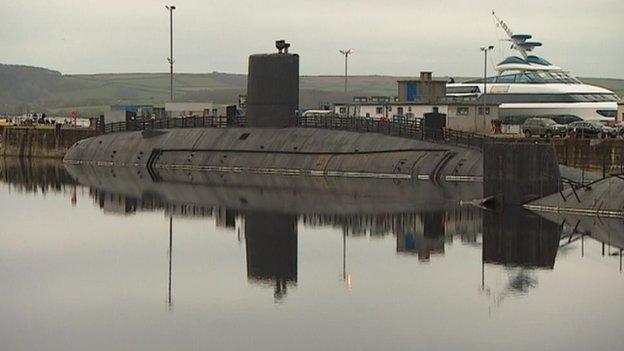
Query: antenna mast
(519, 42)
(500, 23)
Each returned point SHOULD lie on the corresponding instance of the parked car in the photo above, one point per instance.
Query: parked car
(544, 127)
(591, 129)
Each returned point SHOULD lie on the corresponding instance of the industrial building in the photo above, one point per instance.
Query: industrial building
(423, 90)
(185, 109)
(419, 96)
(124, 113)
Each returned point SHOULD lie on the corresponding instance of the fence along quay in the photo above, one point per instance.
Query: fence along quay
(401, 127)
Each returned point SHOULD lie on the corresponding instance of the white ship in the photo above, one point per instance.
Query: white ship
(530, 86)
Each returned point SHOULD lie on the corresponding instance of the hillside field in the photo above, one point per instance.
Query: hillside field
(31, 89)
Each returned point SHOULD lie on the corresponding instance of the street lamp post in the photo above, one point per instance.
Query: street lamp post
(485, 52)
(346, 54)
(170, 8)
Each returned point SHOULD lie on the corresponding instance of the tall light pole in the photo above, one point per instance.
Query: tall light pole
(170, 8)
(485, 52)
(346, 54)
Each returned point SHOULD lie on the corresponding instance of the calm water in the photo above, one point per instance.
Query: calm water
(126, 260)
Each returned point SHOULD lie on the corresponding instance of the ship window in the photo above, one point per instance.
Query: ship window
(553, 77)
(538, 60)
(534, 77)
(565, 119)
(561, 119)
(508, 78)
(577, 97)
(607, 113)
(489, 80)
(514, 120)
(522, 78)
(580, 97)
(513, 59)
(463, 89)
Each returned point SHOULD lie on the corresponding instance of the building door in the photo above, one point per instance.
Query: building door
(411, 91)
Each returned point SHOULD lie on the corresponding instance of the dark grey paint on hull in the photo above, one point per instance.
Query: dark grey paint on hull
(293, 151)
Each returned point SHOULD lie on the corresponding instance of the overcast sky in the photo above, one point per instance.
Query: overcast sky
(398, 37)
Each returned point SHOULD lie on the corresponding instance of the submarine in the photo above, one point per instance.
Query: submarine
(272, 143)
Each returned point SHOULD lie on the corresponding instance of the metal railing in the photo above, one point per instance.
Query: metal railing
(170, 123)
(412, 128)
(396, 127)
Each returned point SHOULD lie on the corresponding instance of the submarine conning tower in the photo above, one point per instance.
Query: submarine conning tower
(273, 88)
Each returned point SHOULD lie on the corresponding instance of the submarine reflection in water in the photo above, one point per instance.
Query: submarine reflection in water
(516, 237)
(268, 210)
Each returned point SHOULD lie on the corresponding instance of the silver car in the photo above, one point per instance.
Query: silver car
(543, 127)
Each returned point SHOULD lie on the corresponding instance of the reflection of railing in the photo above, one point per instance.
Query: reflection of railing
(412, 128)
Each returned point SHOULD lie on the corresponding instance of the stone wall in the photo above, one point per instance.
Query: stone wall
(47, 142)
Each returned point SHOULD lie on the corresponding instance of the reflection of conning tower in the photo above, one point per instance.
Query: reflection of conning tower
(517, 237)
(271, 243)
(273, 88)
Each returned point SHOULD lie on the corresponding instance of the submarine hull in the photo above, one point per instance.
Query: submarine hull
(290, 151)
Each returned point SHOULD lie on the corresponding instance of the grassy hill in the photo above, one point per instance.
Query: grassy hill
(34, 89)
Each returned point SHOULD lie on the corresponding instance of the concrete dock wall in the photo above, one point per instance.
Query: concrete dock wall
(47, 142)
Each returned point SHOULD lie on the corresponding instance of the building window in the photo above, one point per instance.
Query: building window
(367, 115)
(487, 110)
(463, 111)
(379, 110)
(409, 109)
(400, 111)
(343, 110)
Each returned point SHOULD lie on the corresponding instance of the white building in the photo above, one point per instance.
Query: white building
(377, 110)
(417, 97)
(460, 115)
(182, 109)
